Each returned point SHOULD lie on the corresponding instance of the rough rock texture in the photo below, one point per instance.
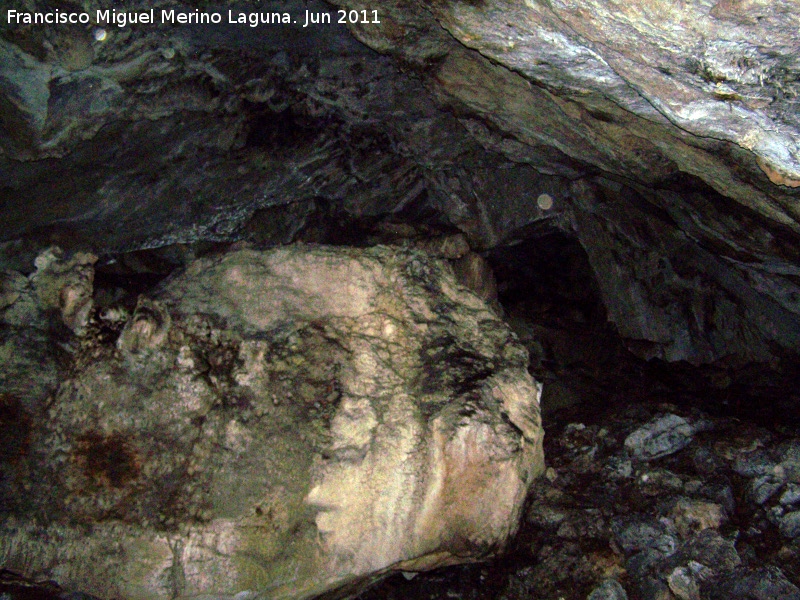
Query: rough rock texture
(282, 423)
(657, 83)
(651, 93)
(665, 135)
(602, 525)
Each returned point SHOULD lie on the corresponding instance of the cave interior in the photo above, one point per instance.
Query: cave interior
(641, 260)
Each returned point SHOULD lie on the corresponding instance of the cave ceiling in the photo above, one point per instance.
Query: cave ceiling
(665, 134)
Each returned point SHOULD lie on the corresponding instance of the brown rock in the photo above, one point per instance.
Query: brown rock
(476, 274)
(692, 516)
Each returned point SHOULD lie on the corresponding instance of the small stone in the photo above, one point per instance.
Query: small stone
(583, 524)
(791, 495)
(550, 474)
(765, 583)
(660, 437)
(682, 583)
(640, 533)
(700, 571)
(753, 464)
(620, 468)
(721, 493)
(572, 427)
(790, 524)
(709, 548)
(763, 488)
(610, 589)
(692, 516)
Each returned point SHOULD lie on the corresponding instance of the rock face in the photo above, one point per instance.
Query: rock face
(637, 90)
(663, 137)
(654, 94)
(279, 423)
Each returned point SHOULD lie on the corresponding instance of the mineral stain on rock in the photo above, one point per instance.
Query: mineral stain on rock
(107, 460)
(15, 429)
(285, 422)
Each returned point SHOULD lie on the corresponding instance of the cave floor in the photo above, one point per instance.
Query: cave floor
(714, 518)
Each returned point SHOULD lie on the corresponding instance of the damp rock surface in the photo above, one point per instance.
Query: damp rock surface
(281, 423)
(662, 140)
(670, 527)
(661, 437)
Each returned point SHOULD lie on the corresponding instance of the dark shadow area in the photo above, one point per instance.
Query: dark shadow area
(552, 299)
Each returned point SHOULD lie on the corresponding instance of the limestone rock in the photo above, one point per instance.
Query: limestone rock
(661, 437)
(610, 589)
(282, 423)
(64, 284)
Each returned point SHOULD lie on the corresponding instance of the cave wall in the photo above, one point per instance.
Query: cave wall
(666, 135)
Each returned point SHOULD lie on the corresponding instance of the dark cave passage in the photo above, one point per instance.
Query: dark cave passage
(548, 292)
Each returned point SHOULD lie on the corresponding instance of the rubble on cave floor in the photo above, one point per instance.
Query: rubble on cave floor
(646, 501)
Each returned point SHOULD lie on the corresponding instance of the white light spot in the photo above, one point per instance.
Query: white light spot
(100, 34)
(388, 329)
(545, 201)
(168, 53)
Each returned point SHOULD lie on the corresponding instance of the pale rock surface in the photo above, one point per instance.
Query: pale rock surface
(610, 589)
(641, 89)
(660, 437)
(284, 424)
(693, 516)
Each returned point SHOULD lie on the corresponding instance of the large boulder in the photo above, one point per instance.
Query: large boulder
(280, 423)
